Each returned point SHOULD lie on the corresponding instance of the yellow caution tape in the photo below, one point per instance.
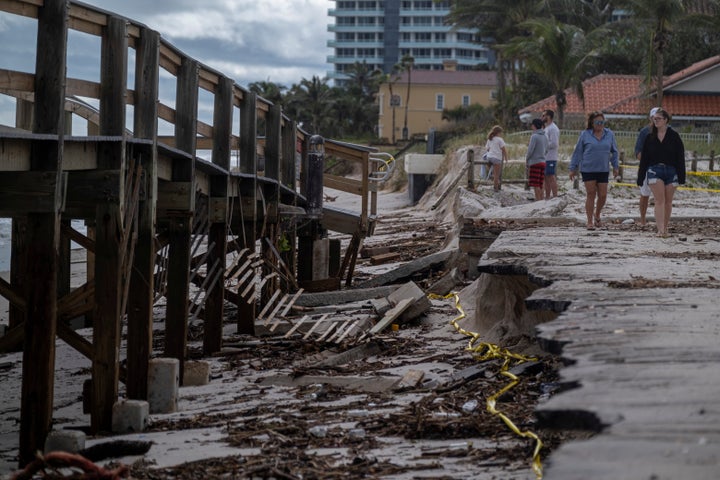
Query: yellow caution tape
(687, 189)
(690, 172)
(483, 351)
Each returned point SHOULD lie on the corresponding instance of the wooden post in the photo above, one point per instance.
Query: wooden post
(217, 238)
(64, 266)
(18, 245)
(693, 163)
(248, 199)
(273, 144)
(180, 229)
(711, 163)
(108, 224)
(290, 180)
(471, 170)
(140, 303)
(38, 363)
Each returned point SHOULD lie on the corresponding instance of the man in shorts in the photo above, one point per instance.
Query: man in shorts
(645, 188)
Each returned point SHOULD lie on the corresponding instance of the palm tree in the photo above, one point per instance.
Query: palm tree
(554, 51)
(661, 17)
(498, 21)
(406, 64)
(311, 101)
(268, 90)
(391, 78)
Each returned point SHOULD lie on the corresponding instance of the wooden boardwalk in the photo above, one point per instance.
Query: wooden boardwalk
(639, 321)
(229, 207)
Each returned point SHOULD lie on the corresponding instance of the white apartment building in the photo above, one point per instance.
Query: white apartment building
(382, 32)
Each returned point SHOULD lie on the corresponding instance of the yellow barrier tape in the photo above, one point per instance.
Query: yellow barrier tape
(687, 189)
(484, 351)
(689, 172)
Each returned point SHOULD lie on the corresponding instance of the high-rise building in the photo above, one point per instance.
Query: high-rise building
(382, 32)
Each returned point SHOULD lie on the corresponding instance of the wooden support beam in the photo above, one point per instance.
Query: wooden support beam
(31, 192)
(108, 229)
(248, 165)
(142, 278)
(42, 236)
(180, 228)
(218, 234)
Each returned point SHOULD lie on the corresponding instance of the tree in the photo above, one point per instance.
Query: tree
(555, 51)
(498, 21)
(662, 16)
(311, 102)
(407, 63)
(268, 90)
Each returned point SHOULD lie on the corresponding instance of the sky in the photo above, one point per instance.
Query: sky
(281, 41)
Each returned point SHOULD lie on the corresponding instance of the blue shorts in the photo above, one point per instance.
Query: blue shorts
(550, 166)
(599, 177)
(665, 173)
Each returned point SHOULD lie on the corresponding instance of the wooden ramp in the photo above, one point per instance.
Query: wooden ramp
(639, 319)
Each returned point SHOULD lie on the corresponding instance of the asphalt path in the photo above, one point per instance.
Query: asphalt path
(639, 325)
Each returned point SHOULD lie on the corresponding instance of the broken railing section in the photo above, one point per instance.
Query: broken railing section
(351, 317)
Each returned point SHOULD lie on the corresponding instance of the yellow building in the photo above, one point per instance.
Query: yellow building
(431, 91)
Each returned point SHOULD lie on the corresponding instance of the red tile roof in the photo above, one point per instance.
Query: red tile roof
(626, 95)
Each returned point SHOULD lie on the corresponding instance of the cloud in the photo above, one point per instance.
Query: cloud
(281, 40)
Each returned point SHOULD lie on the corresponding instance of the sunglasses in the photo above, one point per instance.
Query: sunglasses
(599, 122)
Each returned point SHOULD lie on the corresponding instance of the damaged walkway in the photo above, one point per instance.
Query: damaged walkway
(638, 322)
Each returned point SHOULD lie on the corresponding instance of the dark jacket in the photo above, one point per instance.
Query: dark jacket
(670, 151)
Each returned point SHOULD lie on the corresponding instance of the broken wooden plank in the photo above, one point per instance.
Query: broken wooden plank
(275, 310)
(368, 252)
(312, 329)
(391, 315)
(296, 326)
(330, 328)
(348, 330)
(384, 258)
(411, 379)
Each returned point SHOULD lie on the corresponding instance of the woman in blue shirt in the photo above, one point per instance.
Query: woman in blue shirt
(595, 150)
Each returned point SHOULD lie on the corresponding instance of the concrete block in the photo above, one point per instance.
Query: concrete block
(163, 384)
(196, 373)
(130, 416)
(419, 301)
(422, 163)
(380, 305)
(71, 441)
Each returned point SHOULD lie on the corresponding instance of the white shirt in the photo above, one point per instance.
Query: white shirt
(552, 132)
(495, 147)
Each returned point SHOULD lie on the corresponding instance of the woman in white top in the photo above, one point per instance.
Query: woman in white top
(496, 154)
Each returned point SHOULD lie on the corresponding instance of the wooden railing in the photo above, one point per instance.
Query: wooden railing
(146, 197)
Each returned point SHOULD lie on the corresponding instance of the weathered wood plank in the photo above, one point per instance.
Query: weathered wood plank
(43, 235)
(248, 165)
(218, 234)
(31, 192)
(108, 224)
(181, 228)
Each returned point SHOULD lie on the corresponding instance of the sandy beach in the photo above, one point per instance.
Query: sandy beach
(263, 401)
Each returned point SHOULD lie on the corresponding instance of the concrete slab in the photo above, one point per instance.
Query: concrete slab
(639, 319)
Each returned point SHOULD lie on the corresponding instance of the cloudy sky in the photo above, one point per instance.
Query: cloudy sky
(282, 41)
